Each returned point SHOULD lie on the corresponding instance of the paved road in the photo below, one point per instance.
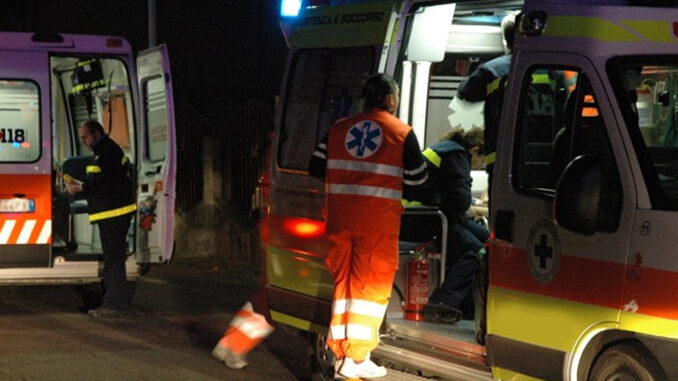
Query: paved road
(179, 313)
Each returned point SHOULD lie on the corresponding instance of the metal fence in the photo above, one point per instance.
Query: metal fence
(247, 130)
(242, 140)
(189, 165)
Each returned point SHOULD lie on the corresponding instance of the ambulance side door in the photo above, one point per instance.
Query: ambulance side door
(156, 169)
(549, 286)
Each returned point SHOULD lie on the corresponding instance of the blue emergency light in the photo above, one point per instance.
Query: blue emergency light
(290, 8)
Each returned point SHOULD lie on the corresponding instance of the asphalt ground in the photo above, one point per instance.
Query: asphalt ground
(179, 312)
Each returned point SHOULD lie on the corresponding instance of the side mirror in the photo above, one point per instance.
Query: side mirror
(578, 195)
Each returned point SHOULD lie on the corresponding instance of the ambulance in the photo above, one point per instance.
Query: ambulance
(49, 85)
(582, 274)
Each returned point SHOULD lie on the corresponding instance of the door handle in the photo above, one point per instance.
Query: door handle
(151, 173)
(503, 225)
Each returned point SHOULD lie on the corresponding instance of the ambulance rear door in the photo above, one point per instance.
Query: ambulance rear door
(156, 168)
(25, 158)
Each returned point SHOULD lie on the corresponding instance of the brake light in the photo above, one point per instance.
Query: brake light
(304, 228)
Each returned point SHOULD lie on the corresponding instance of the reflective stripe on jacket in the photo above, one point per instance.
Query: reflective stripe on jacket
(109, 188)
(449, 177)
(365, 172)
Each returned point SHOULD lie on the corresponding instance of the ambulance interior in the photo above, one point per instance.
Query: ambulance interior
(85, 88)
(430, 106)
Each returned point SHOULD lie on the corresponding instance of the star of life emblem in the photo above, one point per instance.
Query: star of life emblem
(363, 139)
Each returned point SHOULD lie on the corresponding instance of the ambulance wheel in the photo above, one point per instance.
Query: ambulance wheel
(626, 362)
(323, 359)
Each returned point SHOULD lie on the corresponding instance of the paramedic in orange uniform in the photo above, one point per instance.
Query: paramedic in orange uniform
(369, 161)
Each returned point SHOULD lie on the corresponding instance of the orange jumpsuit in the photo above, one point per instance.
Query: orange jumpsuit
(364, 177)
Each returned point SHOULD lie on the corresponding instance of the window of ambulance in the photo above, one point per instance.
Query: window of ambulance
(558, 121)
(94, 88)
(19, 121)
(647, 92)
(155, 104)
(323, 86)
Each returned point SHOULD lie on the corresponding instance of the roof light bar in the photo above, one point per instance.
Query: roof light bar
(290, 8)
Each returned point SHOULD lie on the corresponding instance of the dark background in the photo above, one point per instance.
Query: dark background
(227, 60)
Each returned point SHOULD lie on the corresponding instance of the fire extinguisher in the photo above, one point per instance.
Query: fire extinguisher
(417, 284)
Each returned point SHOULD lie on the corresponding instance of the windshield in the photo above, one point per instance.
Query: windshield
(647, 92)
(324, 85)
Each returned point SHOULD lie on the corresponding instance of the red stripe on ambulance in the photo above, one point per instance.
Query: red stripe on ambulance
(510, 269)
(589, 281)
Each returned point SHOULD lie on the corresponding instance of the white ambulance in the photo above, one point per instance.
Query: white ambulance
(582, 274)
(49, 85)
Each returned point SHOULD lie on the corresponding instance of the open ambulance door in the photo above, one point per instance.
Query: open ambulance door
(156, 168)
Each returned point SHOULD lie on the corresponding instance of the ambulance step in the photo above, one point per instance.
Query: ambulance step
(395, 375)
(456, 340)
(431, 367)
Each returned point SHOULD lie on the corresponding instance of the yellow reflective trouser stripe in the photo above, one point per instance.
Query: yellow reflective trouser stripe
(432, 156)
(93, 169)
(589, 27)
(489, 158)
(657, 31)
(112, 213)
(410, 203)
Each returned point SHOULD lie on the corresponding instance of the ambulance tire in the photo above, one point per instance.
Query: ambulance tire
(626, 362)
(322, 364)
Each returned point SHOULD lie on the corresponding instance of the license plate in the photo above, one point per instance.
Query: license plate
(17, 205)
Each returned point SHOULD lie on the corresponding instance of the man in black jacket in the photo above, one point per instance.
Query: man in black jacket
(487, 83)
(111, 201)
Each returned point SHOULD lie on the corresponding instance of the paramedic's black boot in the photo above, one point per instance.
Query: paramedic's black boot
(441, 313)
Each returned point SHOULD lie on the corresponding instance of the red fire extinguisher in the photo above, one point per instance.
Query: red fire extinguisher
(417, 284)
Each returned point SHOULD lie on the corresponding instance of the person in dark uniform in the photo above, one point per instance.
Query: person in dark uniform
(109, 190)
(450, 162)
(487, 83)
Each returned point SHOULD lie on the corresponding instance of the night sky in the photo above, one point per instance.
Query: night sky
(226, 55)
(223, 52)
